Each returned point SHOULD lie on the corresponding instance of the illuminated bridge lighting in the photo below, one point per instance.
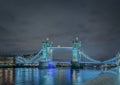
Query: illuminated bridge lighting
(45, 54)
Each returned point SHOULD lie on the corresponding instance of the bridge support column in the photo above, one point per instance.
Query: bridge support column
(75, 52)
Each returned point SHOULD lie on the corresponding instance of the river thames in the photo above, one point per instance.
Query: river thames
(53, 76)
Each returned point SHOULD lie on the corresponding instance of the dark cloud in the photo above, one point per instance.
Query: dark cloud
(6, 16)
(24, 24)
(3, 30)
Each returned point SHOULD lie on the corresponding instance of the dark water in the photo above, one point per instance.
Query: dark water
(35, 76)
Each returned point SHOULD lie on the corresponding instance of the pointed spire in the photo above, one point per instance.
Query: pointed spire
(76, 38)
(47, 38)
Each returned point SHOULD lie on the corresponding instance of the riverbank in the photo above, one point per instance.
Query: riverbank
(103, 79)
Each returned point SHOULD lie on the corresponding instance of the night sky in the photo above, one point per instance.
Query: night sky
(24, 24)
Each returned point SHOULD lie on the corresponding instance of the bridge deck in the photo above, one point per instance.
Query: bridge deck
(59, 47)
(56, 48)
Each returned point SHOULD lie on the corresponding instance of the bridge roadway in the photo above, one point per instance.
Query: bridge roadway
(60, 48)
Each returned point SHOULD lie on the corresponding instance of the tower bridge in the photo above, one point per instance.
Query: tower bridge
(44, 56)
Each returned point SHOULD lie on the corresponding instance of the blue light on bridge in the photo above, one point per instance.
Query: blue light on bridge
(47, 49)
(51, 64)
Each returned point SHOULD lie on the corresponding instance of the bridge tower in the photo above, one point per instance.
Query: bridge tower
(75, 52)
(75, 49)
(46, 52)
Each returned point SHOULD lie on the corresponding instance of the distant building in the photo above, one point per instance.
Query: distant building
(6, 59)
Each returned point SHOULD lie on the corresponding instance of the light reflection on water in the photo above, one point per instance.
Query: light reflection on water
(35, 76)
